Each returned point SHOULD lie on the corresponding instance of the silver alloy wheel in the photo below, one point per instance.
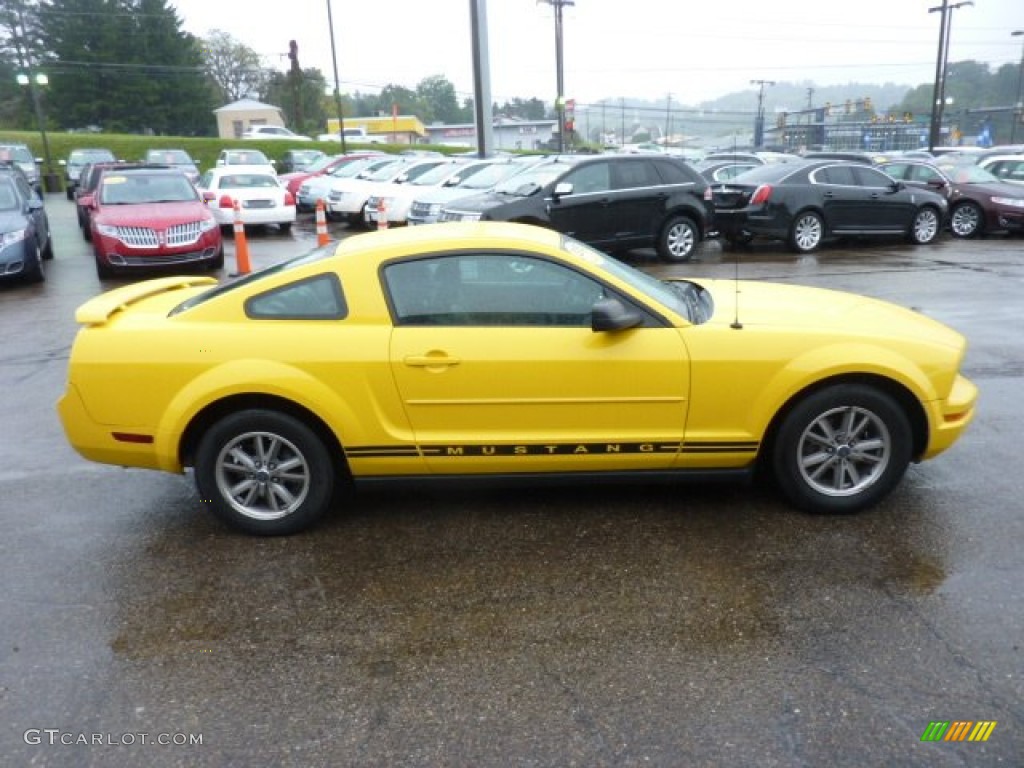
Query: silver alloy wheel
(680, 241)
(966, 220)
(807, 232)
(262, 475)
(844, 451)
(926, 226)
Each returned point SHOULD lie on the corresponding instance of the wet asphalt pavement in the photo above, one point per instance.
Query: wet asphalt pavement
(624, 626)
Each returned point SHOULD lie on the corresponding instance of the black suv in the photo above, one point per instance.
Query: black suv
(612, 202)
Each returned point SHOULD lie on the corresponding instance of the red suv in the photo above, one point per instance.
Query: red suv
(151, 217)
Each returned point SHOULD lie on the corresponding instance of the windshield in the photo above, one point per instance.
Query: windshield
(436, 175)
(488, 175)
(247, 157)
(82, 156)
(529, 181)
(320, 163)
(16, 154)
(145, 189)
(388, 171)
(8, 197)
(168, 157)
(968, 173)
(680, 296)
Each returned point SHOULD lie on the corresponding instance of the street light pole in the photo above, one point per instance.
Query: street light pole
(32, 81)
(759, 119)
(1018, 113)
(942, 60)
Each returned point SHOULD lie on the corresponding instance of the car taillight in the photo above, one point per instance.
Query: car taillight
(226, 202)
(761, 194)
(289, 198)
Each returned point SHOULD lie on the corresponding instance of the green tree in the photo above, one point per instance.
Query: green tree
(279, 90)
(234, 68)
(438, 102)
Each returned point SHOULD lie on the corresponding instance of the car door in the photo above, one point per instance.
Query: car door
(638, 203)
(887, 208)
(585, 212)
(842, 200)
(499, 370)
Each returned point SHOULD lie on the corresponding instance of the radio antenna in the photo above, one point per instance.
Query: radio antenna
(736, 324)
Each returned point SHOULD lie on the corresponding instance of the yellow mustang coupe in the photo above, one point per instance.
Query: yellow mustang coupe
(503, 350)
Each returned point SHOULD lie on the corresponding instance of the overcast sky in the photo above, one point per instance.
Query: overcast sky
(691, 49)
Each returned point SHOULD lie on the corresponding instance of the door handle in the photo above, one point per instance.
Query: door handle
(431, 360)
(829, 194)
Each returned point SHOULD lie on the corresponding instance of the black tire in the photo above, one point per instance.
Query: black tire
(678, 240)
(103, 271)
(258, 499)
(47, 252)
(807, 232)
(823, 468)
(286, 227)
(924, 229)
(218, 261)
(34, 273)
(966, 220)
(70, 192)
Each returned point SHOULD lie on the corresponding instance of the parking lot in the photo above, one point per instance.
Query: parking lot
(679, 625)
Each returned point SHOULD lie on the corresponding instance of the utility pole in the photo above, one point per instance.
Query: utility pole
(759, 120)
(558, 5)
(939, 90)
(337, 85)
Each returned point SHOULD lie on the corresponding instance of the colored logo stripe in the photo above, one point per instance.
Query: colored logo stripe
(958, 730)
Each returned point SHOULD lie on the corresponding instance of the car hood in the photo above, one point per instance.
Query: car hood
(152, 214)
(818, 311)
(992, 189)
(485, 201)
(11, 221)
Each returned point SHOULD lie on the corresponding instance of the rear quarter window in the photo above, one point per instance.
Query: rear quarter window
(315, 298)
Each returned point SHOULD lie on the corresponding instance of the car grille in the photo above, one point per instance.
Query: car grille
(146, 237)
(121, 260)
(450, 216)
(424, 210)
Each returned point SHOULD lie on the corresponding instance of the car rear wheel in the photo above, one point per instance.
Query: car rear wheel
(264, 472)
(842, 449)
(925, 227)
(807, 232)
(678, 240)
(965, 220)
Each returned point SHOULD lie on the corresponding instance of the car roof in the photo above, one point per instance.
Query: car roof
(222, 170)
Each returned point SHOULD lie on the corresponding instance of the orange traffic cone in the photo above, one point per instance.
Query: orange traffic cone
(322, 237)
(241, 246)
(382, 214)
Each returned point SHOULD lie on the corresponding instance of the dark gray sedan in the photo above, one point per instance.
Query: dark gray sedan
(25, 241)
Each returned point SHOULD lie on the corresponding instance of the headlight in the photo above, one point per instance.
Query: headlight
(205, 225)
(463, 216)
(10, 238)
(434, 209)
(106, 230)
(1012, 202)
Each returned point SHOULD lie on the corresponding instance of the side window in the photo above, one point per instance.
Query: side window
(592, 177)
(902, 171)
(672, 173)
(489, 289)
(636, 174)
(869, 177)
(926, 174)
(315, 298)
(836, 174)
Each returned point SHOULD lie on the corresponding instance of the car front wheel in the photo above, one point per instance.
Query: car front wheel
(925, 227)
(264, 472)
(842, 449)
(807, 232)
(965, 221)
(679, 238)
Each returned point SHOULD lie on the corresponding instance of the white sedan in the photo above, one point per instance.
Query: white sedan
(261, 197)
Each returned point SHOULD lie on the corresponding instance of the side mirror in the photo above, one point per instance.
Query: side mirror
(896, 186)
(610, 314)
(563, 188)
